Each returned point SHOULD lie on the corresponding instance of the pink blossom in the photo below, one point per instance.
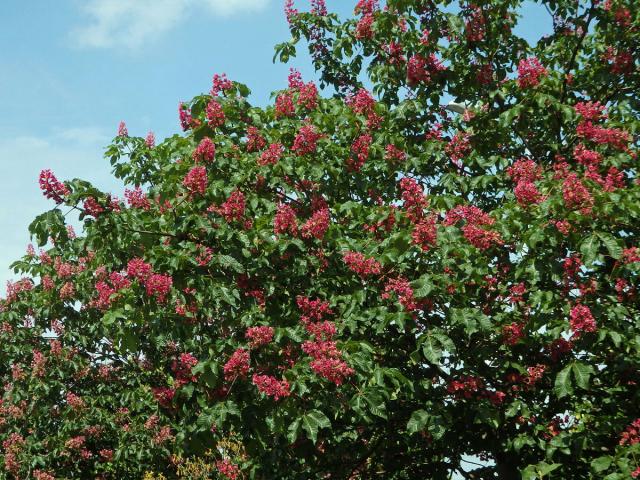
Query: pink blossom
(581, 320)
(363, 266)
(259, 336)
(271, 386)
(122, 130)
(317, 225)
(271, 155)
(306, 140)
(196, 181)
(159, 286)
(137, 198)
(215, 114)
(51, 187)
(205, 151)
(285, 220)
(529, 72)
(237, 365)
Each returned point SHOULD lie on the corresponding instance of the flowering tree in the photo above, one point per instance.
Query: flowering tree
(362, 286)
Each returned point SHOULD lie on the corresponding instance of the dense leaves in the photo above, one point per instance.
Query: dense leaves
(366, 284)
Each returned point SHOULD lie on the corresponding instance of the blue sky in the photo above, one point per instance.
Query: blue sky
(72, 69)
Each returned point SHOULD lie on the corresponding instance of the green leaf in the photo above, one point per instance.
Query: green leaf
(312, 422)
(612, 245)
(563, 385)
(601, 464)
(418, 421)
(589, 248)
(582, 373)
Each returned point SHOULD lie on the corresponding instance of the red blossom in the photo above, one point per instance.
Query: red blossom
(237, 365)
(363, 266)
(581, 320)
(215, 114)
(51, 187)
(259, 336)
(271, 155)
(205, 151)
(137, 198)
(530, 70)
(317, 225)
(271, 386)
(306, 140)
(196, 181)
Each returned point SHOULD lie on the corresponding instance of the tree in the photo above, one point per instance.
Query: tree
(366, 285)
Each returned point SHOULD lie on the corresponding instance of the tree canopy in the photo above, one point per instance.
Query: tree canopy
(428, 269)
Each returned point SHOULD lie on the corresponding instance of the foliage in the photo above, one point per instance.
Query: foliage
(367, 285)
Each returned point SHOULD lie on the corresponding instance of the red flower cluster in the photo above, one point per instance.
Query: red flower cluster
(420, 69)
(255, 141)
(581, 320)
(590, 111)
(527, 193)
(155, 283)
(631, 255)
(228, 469)
(136, 198)
(306, 141)
(363, 266)
(458, 148)
(159, 286)
(285, 220)
(182, 369)
(220, 84)
(233, 208)
(186, 120)
(401, 287)
(475, 25)
(414, 199)
(271, 386)
(604, 136)
(51, 187)
(529, 72)
(215, 114)
(394, 154)
(237, 365)
(259, 336)
(359, 150)
(196, 181)
(512, 333)
(525, 170)
(631, 434)
(164, 396)
(317, 225)
(284, 105)
(271, 155)
(575, 194)
(205, 151)
(425, 233)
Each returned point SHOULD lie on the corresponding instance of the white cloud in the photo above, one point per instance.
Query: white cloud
(70, 153)
(132, 23)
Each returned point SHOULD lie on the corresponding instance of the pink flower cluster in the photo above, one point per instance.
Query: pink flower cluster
(205, 151)
(317, 225)
(228, 469)
(581, 320)
(631, 434)
(271, 386)
(394, 154)
(182, 368)
(284, 105)
(414, 199)
(360, 152)
(136, 198)
(196, 181)
(220, 84)
(402, 288)
(590, 111)
(259, 336)
(363, 266)
(271, 155)
(420, 69)
(631, 255)
(156, 284)
(285, 220)
(458, 148)
(575, 194)
(512, 333)
(255, 141)
(425, 233)
(186, 120)
(306, 140)
(237, 365)
(530, 70)
(51, 187)
(215, 114)
(472, 231)
(233, 208)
